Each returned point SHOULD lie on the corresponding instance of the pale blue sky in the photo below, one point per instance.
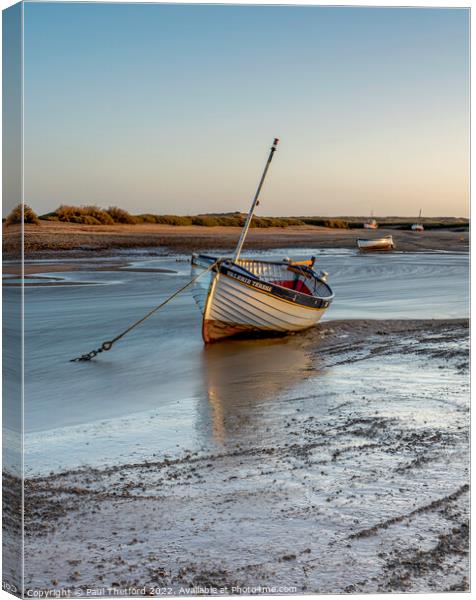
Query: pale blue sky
(172, 109)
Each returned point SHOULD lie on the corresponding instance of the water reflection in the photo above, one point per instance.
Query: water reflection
(244, 379)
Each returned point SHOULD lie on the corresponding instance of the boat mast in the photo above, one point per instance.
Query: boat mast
(255, 203)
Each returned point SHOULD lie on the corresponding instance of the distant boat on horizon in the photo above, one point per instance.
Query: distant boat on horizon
(418, 226)
(371, 223)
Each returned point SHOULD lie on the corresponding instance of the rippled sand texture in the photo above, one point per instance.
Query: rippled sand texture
(347, 473)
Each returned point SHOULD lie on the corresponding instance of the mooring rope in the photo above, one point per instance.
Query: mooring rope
(105, 346)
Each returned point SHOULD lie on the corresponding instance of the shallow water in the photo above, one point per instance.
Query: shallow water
(160, 390)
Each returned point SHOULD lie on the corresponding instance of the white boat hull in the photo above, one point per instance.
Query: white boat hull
(234, 304)
(238, 308)
(384, 243)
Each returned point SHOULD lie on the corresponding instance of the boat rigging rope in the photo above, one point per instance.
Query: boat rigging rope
(105, 346)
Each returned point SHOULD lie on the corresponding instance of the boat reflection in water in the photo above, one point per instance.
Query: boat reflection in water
(245, 383)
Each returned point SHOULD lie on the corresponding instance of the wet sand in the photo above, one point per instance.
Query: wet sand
(66, 267)
(52, 239)
(357, 483)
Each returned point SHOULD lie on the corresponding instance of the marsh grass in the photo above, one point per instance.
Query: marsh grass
(29, 216)
(87, 215)
(119, 215)
(332, 223)
(94, 215)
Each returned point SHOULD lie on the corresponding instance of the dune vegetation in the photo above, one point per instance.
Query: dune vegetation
(15, 216)
(95, 215)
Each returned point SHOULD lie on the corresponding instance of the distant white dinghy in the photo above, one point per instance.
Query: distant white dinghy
(243, 296)
(383, 243)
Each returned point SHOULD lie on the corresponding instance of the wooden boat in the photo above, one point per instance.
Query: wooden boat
(243, 296)
(257, 296)
(383, 243)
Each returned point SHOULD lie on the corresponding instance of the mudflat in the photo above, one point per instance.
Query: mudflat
(356, 483)
(57, 239)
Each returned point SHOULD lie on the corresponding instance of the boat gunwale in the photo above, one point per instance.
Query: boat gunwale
(281, 262)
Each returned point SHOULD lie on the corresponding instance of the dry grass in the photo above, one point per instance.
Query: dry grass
(86, 215)
(94, 215)
(29, 216)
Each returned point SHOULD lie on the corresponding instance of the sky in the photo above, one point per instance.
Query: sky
(171, 109)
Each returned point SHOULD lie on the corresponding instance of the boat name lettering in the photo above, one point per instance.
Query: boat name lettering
(255, 284)
(261, 286)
